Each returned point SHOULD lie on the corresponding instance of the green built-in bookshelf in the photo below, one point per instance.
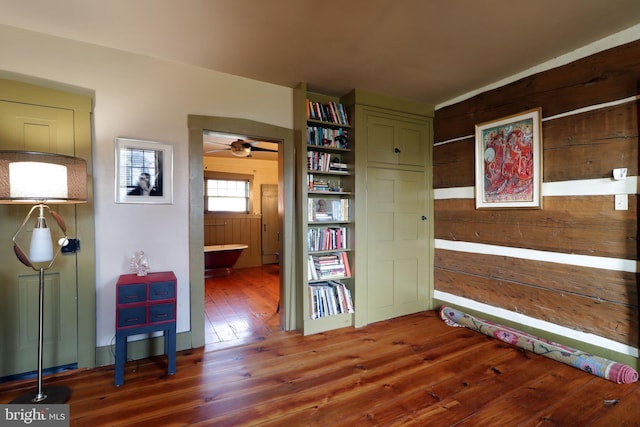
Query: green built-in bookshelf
(327, 202)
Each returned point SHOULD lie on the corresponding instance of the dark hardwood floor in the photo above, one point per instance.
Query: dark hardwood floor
(412, 370)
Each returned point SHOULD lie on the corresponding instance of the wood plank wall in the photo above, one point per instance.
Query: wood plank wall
(224, 229)
(580, 148)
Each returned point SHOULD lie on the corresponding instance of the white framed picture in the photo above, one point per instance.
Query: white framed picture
(144, 171)
(509, 162)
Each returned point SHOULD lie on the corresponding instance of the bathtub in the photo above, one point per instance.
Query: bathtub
(220, 259)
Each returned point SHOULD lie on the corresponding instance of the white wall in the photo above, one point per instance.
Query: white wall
(143, 98)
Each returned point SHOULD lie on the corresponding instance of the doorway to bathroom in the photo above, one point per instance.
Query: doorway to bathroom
(241, 237)
(264, 290)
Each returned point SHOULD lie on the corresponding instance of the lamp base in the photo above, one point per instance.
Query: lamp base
(50, 395)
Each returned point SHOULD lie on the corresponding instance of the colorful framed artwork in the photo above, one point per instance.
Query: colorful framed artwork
(509, 162)
(144, 171)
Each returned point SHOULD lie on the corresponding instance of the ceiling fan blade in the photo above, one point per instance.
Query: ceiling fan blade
(254, 148)
(240, 147)
(217, 143)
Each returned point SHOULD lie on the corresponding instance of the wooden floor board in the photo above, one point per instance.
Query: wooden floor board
(428, 397)
(583, 406)
(410, 371)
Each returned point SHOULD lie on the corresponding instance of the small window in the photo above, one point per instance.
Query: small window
(140, 171)
(224, 195)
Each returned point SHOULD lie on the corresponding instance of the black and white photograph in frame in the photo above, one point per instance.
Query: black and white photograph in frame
(144, 171)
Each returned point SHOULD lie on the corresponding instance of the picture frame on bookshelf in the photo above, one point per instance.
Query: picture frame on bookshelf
(320, 210)
(334, 209)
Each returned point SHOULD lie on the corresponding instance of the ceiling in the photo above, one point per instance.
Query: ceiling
(426, 50)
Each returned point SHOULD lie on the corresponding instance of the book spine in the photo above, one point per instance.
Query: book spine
(345, 262)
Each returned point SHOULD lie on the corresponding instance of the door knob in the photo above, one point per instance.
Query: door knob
(424, 218)
(396, 150)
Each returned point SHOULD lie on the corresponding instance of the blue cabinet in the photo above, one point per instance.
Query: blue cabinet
(145, 304)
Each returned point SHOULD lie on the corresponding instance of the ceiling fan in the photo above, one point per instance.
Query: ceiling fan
(241, 148)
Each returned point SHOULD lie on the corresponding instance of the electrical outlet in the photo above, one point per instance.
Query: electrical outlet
(621, 202)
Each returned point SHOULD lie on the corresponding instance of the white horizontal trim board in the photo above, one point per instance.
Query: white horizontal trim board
(583, 187)
(454, 193)
(532, 322)
(591, 187)
(594, 107)
(460, 138)
(560, 115)
(605, 263)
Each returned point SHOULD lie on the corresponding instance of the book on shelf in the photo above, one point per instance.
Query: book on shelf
(326, 239)
(322, 210)
(329, 298)
(318, 184)
(345, 262)
(331, 112)
(317, 161)
(337, 166)
(340, 210)
(327, 266)
(325, 137)
(325, 162)
(311, 210)
(322, 216)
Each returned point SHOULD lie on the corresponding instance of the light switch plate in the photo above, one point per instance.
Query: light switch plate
(621, 202)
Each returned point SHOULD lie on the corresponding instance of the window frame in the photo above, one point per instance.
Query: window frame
(224, 176)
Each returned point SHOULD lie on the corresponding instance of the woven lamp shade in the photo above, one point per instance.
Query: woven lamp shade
(30, 177)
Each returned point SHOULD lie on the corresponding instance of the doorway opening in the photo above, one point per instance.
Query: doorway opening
(285, 306)
(242, 286)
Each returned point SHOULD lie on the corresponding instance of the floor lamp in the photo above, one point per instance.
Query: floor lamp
(40, 179)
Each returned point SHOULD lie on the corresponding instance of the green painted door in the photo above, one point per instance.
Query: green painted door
(397, 236)
(270, 224)
(36, 128)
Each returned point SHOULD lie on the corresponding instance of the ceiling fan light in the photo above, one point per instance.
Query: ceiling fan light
(240, 148)
(245, 152)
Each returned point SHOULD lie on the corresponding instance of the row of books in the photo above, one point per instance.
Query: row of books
(323, 162)
(329, 298)
(316, 183)
(326, 239)
(340, 209)
(336, 165)
(329, 266)
(331, 112)
(323, 210)
(320, 183)
(324, 137)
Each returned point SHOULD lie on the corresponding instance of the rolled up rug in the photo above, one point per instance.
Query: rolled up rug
(599, 366)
